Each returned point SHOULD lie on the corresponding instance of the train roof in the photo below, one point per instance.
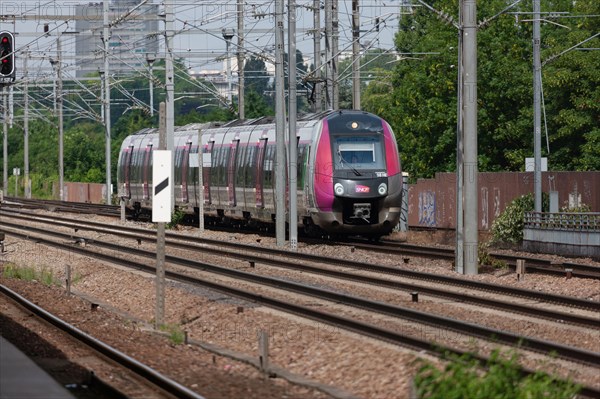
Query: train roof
(264, 120)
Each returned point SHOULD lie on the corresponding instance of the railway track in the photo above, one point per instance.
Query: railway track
(144, 373)
(62, 206)
(568, 353)
(534, 264)
(297, 261)
(66, 242)
(402, 250)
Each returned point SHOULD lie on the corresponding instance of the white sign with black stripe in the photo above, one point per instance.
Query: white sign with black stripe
(161, 186)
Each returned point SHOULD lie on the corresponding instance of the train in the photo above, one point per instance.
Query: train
(349, 178)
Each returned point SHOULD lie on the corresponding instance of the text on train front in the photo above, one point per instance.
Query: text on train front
(360, 174)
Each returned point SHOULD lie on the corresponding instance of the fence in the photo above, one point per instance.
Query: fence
(570, 234)
(432, 202)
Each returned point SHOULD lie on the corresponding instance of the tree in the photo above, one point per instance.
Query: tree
(418, 97)
(256, 77)
(82, 160)
(373, 64)
(572, 88)
(256, 106)
(301, 70)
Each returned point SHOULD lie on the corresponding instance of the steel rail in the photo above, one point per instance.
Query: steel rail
(563, 351)
(147, 373)
(537, 265)
(519, 292)
(533, 264)
(63, 206)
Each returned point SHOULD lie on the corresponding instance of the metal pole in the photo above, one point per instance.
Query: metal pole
(470, 170)
(240, 59)
(228, 34)
(170, 90)
(460, 228)
(26, 126)
(335, 35)
(318, 106)
(229, 94)
(106, 37)
(59, 101)
(292, 141)
(200, 183)
(355, 55)
(537, 114)
(5, 142)
(160, 234)
(328, 55)
(279, 127)
(150, 58)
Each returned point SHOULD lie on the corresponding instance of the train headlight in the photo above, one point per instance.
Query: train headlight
(338, 188)
(382, 189)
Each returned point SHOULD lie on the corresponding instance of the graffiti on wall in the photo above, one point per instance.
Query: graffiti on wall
(427, 208)
(485, 217)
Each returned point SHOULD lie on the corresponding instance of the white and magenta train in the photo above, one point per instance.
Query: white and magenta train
(349, 180)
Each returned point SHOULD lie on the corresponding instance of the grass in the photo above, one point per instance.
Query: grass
(27, 273)
(501, 378)
(176, 334)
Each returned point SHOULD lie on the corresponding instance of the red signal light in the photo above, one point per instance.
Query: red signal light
(7, 54)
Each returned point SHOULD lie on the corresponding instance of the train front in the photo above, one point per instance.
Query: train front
(357, 180)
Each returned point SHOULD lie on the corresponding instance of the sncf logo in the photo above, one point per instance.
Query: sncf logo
(361, 189)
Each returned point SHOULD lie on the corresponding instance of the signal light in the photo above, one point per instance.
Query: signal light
(7, 54)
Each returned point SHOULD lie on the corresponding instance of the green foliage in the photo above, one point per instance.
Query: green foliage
(176, 334)
(418, 96)
(374, 64)
(256, 77)
(582, 208)
(485, 258)
(256, 106)
(508, 227)
(176, 218)
(44, 276)
(463, 378)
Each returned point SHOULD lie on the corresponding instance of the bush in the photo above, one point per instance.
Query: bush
(508, 227)
(463, 378)
(177, 218)
(582, 208)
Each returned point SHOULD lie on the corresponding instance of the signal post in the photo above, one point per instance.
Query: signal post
(7, 76)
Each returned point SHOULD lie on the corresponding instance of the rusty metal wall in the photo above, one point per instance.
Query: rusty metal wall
(85, 192)
(432, 202)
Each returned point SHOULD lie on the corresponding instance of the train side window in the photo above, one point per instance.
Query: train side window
(135, 165)
(251, 166)
(240, 177)
(219, 168)
(178, 164)
(301, 166)
(268, 166)
(223, 165)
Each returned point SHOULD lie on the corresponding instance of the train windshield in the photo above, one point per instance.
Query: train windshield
(358, 152)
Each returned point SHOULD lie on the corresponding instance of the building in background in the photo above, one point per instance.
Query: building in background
(131, 41)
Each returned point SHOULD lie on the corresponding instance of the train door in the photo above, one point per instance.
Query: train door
(127, 173)
(231, 170)
(241, 174)
(260, 167)
(193, 175)
(185, 162)
(206, 171)
(145, 173)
